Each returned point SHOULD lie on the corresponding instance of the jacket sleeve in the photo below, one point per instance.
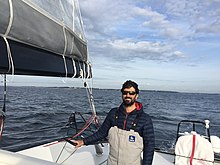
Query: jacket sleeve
(149, 142)
(103, 130)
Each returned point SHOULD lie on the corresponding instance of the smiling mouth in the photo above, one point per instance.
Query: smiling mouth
(127, 98)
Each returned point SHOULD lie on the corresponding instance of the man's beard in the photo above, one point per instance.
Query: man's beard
(128, 101)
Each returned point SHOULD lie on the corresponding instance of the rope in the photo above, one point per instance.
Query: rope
(86, 125)
(64, 51)
(81, 72)
(89, 93)
(93, 117)
(10, 60)
(84, 78)
(74, 68)
(61, 152)
(88, 70)
(81, 22)
(68, 156)
(195, 158)
(73, 15)
(84, 70)
(90, 97)
(2, 118)
(103, 162)
(10, 19)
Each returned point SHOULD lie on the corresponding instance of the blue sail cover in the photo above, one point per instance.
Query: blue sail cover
(42, 37)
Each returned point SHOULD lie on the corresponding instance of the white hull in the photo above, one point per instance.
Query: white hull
(70, 156)
(66, 154)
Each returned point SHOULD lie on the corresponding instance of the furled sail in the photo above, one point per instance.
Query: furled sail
(43, 37)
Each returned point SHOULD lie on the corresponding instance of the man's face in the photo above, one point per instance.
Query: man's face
(129, 96)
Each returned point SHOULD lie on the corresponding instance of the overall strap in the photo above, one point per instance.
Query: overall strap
(135, 122)
(116, 117)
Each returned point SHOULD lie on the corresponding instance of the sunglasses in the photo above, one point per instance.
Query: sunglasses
(130, 92)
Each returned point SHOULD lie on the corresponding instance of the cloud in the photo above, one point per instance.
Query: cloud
(160, 31)
(108, 25)
(102, 16)
(208, 28)
(201, 16)
(130, 50)
(158, 21)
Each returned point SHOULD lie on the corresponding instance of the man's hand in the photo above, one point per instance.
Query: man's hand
(79, 143)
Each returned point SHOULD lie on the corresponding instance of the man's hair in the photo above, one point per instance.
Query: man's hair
(129, 84)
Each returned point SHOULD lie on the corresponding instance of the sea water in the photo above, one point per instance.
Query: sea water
(36, 115)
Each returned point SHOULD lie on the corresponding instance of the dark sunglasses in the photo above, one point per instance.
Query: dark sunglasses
(130, 92)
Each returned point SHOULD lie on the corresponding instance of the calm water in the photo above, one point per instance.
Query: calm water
(36, 115)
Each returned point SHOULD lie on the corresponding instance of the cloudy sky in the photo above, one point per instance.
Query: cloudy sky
(161, 44)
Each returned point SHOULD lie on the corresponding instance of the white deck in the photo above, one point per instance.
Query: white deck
(66, 154)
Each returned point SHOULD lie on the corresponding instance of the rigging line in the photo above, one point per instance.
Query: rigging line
(80, 18)
(81, 72)
(73, 15)
(194, 158)
(74, 68)
(51, 17)
(61, 151)
(69, 156)
(72, 46)
(1, 125)
(88, 64)
(90, 97)
(103, 162)
(87, 124)
(42, 11)
(10, 19)
(65, 47)
(84, 70)
(88, 70)
(10, 59)
(89, 91)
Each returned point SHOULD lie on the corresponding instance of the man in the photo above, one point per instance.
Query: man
(129, 131)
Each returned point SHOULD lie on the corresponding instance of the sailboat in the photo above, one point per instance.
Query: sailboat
(46, 38)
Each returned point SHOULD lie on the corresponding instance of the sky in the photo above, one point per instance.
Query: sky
(168, 45)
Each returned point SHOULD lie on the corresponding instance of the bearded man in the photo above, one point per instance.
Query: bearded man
(129, 131)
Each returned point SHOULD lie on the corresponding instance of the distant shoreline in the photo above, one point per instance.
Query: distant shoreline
(65, 87)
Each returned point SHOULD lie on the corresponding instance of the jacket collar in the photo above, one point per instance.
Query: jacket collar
(138, 106)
